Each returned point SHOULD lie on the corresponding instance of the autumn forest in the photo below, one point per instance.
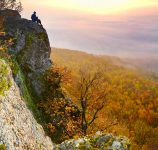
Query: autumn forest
(110, 96)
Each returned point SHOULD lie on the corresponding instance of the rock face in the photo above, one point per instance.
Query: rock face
(99, 142)
(18, 128)
(4, 14)
(31, 46)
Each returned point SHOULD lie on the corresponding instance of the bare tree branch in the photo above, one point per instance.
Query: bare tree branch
(91, 90)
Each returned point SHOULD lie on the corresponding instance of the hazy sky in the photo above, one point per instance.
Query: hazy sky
(113, 27)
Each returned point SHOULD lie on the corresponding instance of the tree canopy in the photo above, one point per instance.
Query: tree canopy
(130, 96)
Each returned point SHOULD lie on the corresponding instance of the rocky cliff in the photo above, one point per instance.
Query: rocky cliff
(18, 128)
(31, 46)
(22, 64)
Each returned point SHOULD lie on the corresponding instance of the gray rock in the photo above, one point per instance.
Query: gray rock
(31, 47)
(18, 128)
(101, 141)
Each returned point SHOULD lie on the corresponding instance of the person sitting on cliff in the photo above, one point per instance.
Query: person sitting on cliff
(39, 22)
(34, 17)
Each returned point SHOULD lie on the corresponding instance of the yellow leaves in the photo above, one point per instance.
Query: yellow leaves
(69, 109)
(150, 106)
(10, 41)
(2, 33)
(142, 113)
(76, 137)
(61, 114)
(130, 95)
(56, 79)
(5, 41)
(51, 128)
(49, 125)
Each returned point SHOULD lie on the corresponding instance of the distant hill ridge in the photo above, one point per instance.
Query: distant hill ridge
(146, 65)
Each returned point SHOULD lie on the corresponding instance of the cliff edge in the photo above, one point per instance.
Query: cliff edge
(31, 46)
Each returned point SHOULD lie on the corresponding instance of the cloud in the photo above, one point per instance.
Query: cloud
(131, 34)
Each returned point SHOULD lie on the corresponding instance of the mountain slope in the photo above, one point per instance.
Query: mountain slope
(147, 64)
(73, 58)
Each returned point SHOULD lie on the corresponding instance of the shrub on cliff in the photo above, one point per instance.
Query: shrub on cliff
(61, 115)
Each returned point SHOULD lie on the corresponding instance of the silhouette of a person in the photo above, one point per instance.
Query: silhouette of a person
(39, 21)
(34, 17)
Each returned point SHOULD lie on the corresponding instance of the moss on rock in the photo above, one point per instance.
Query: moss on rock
(2, 147)
(96, 142)
(5, 81)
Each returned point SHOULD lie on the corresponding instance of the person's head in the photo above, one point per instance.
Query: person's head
(34, 12)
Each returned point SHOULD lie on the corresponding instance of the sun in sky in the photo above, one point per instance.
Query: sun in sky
(96, 6)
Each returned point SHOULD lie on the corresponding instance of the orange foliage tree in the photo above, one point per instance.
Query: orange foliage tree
(54, 79)
(61, 115)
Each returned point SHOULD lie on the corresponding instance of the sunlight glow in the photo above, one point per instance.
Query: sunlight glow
(98, 6)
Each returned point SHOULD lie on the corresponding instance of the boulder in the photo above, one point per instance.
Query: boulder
(98, 141)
